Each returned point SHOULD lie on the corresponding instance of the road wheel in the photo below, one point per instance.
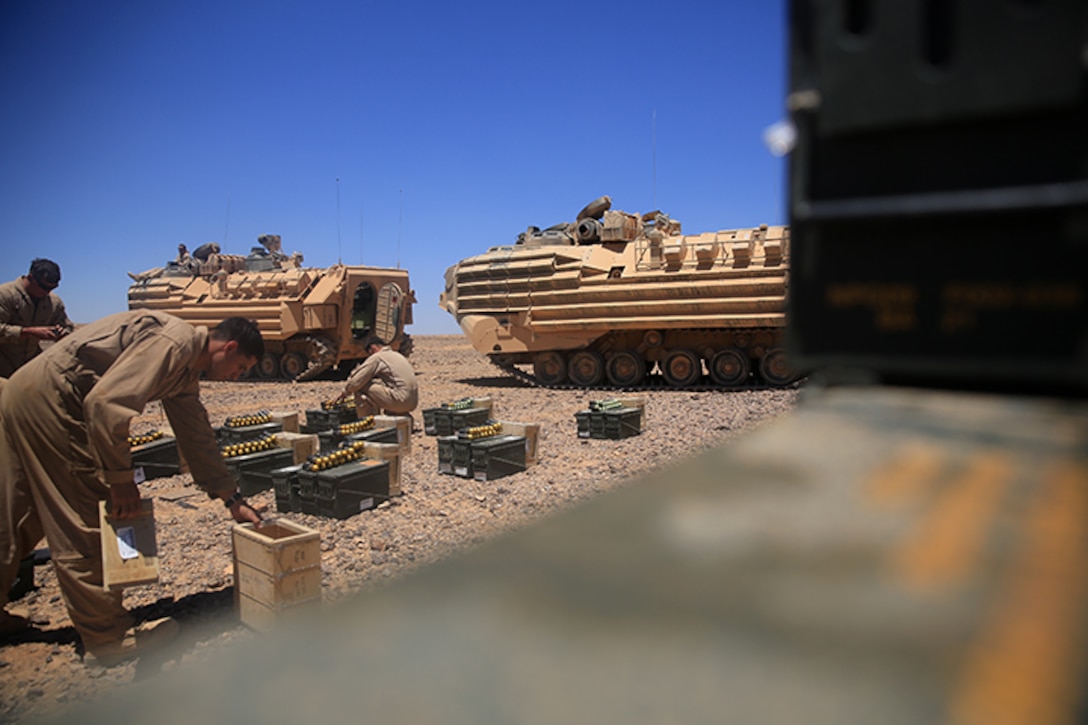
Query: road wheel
(681, 368)
(775, 368)
(292, 365)
(268, 366)
(586, 368)
(626, 368)
(729, 367)
(550, 368)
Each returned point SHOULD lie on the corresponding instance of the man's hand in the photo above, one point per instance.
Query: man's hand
(43, 333)
(124, 500)
(241, 511)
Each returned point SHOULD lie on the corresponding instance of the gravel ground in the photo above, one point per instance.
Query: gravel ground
(437, 515)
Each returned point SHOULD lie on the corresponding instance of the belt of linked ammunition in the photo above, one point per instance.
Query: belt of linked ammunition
(241, 421)
(266, 443)
(487, 430)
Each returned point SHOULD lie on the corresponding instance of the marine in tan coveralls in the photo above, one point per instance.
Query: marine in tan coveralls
(384, 381)
(64, 427)
(30, 313)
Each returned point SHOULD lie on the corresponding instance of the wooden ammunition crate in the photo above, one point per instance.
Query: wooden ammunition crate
(391, 453)
(497, 456)
(159, 458)
(277, 571)
(245, 433)
(403, 424)
(136, 560)
(285, 484)
(301, 445)
(343, 491)
(287, 419)
(253, 471)
(531, 433)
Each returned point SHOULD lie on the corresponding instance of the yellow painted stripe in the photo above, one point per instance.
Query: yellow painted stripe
(1028, 662)
(907, 475)
(944, 546)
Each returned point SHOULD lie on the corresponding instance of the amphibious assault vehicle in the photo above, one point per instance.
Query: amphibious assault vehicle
(611, 297)
(312, 319)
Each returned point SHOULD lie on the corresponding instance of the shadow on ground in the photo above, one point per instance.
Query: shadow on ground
(500, 381)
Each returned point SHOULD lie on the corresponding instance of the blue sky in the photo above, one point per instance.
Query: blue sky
(416, 133)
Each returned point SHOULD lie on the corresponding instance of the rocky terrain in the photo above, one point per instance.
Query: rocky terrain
(437, 515)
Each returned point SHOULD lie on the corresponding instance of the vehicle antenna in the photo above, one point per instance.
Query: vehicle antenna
(400, 225)
(339, 256)
(360, 230)
(653, 154)
(226, 227)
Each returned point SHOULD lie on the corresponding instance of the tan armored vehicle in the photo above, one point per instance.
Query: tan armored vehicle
(312, 320)
(611, 297)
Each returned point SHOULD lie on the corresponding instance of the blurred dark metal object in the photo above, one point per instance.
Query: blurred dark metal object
(939, 191)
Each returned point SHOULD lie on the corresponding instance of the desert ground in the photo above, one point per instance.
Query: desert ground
(42, 671)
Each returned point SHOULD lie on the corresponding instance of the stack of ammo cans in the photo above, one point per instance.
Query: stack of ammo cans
(356, 468)
(481, 452)
(329, 416)
(357, 430)
(338, 484)
(249, 448)
(610, 419)
(448, 418)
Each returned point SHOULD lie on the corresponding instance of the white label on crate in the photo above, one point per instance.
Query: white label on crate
(366, 503)
(461, 470)
(138, 476)
(126, 542)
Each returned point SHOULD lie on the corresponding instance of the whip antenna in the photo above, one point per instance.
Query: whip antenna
(226, 227)
(653, 154)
